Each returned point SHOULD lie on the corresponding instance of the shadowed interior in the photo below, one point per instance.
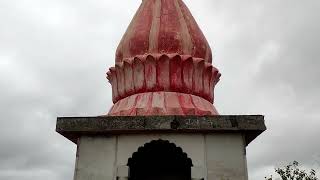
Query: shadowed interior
(159, 160)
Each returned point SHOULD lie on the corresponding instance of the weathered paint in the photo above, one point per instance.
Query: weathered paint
(169, 40)
(128, 76)
(150, 73)
(201, 48)
(163, 26)
(138, 75)
(163, 52)
(187, 75)
(139, 41)
(175, 74)
(171, 73)
(163, 73)
(158, 103)
(162, 103)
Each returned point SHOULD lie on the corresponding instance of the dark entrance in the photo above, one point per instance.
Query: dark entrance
(159, 160)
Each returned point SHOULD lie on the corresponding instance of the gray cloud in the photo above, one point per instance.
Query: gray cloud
(54, 55)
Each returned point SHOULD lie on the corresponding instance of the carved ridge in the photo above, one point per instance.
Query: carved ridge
(162, 103)
(163, 72)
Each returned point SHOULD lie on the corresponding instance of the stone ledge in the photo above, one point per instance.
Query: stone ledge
(74, 127)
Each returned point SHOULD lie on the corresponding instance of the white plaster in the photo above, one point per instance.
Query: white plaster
(123, 171)
(214, 157)
(96, 158)
(226, 157)
(122, 178)
(197, 173)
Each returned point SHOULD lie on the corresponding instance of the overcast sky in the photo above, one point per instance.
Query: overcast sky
(54, 55)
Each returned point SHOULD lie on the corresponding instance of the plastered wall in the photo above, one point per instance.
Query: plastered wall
(220, 156)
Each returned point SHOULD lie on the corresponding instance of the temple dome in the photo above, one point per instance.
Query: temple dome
(163, 27)
(163, 64)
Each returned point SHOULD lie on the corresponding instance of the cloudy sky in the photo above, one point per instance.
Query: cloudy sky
(54, 55)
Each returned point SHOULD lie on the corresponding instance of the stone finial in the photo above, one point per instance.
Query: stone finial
(163, 64)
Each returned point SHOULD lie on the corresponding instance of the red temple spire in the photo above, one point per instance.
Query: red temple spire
(163, 26)
(163, 64)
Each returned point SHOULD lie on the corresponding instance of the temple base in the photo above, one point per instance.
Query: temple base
(214, 144)
(162, 103)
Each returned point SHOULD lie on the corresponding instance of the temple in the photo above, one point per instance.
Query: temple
(163, 123)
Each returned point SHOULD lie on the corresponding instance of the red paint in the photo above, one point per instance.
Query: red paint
(163, 64)
(187, 75)
(170, 73)
(200, 43)
(174, 104)
(139, 41)
(138, 75)
(169, 34)
(150, 73)
(169, 38)
(163, 73)
(175, 74)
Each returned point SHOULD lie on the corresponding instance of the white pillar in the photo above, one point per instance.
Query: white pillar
(95, 158)
(122, 173)
(197, 173)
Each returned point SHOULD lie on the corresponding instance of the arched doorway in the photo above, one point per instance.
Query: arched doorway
(159, 160)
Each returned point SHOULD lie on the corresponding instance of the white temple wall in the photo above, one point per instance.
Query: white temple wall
(95, 158)
(220, 156)
(226, 158)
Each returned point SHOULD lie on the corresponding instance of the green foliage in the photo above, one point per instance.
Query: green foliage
(292, 172)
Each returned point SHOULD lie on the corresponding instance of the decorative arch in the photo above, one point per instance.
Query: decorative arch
(159, 160)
